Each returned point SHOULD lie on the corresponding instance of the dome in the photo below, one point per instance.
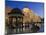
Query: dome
(15, 11)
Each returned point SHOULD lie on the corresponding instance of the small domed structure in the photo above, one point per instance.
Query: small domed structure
(17, 15)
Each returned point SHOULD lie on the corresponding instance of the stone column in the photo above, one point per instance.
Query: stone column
(10, 27)
(22, 23)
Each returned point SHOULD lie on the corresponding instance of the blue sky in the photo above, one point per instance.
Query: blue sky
(37, 7)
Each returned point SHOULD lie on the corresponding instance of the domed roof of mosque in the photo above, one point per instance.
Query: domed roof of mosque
(16, 11)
